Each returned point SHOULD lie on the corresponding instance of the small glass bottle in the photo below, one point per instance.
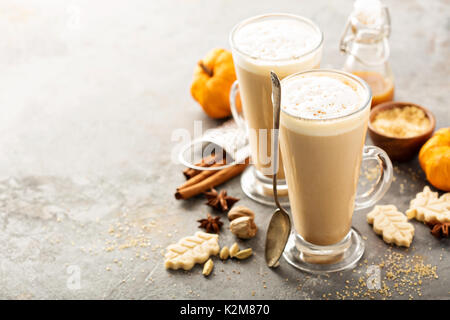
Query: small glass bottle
(365, 42)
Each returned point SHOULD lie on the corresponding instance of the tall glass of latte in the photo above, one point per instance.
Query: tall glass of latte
(323, 123)
(282, 43)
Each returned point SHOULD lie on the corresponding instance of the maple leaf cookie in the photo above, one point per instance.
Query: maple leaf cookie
(429, 208)
(391, 224)
(191, 250)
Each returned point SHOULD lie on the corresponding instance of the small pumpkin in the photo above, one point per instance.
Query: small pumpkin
(434, 158)
(212, 81)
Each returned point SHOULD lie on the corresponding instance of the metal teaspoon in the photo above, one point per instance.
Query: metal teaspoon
(280, 223)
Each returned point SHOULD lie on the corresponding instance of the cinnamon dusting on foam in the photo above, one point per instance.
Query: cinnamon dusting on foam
(320, 97)
(323, 95)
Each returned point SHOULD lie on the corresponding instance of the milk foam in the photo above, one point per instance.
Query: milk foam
(319, 97)
(323, 96)
(276, 39)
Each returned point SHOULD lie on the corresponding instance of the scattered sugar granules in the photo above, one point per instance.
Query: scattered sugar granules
(400, 274)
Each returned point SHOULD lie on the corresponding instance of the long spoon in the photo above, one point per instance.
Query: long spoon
(280, 224)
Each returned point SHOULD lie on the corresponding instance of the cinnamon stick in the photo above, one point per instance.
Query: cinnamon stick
(189, 172)
(199, 177)
(218, 177)
(206, 162)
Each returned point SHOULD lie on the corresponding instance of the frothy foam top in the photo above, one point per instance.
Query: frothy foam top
(320, 97)
(277, 39)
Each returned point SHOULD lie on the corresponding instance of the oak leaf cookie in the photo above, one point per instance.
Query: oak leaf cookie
(429, 208)
(191, 250)
(392, 224)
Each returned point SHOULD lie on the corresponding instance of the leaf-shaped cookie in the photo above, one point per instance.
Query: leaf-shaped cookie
(191, 250)
(429, 208)
(392, 224)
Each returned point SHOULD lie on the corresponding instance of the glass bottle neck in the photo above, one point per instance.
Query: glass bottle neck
(367, 43)
(370, 47)
(370, 53)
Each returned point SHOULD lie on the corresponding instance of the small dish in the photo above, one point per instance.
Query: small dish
(399, 149)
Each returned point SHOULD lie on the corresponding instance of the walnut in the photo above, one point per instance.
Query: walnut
(240, 211)
(243, 227)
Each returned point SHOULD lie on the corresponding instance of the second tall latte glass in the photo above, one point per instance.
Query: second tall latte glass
(323, 124)
(282, 43)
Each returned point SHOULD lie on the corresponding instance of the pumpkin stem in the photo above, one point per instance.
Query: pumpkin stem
(207, 70)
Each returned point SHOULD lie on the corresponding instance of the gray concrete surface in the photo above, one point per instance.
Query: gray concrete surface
(91, 92)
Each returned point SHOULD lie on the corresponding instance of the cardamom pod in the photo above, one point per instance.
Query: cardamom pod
(244, 254)
(224, 253)
(234, 249)
(207, 267)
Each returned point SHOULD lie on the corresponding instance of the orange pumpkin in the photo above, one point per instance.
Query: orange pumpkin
(213, 78)
(434, 158)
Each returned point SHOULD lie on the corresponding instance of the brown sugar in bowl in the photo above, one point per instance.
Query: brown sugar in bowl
(399, 149)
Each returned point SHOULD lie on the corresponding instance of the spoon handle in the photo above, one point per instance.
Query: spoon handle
(276, 101)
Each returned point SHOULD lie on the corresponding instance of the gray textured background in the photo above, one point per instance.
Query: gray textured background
(91, 92)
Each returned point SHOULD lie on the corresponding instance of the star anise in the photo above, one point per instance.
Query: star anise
(212, 225)
(220, 200)
(440, 230)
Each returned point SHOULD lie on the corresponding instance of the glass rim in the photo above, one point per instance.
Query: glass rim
(281, 15)
(339, 72)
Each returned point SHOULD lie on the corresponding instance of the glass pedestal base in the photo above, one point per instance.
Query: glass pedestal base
(259, 188)
(323, 259)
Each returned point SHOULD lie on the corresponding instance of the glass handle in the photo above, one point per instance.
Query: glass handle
(345, 40)
(383, 183)
(236, 116)
(388, 21)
